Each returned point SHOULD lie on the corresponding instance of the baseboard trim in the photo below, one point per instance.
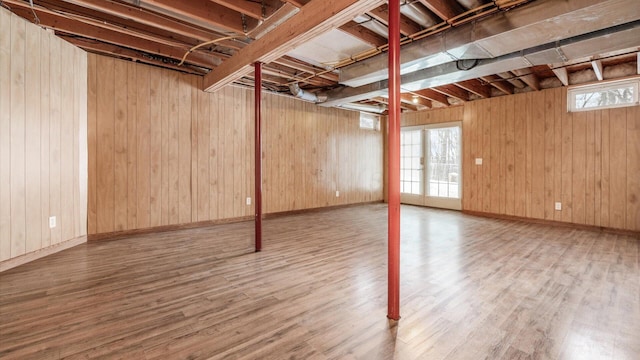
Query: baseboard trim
(317, 209)
(554, 223)
(23, 259)
(115, 235)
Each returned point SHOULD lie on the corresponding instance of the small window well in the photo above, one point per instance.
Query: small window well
(369, 121)
(603, 95)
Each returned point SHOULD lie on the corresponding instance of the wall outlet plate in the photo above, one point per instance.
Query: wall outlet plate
(478, 161)
(52, 222)
(337, 193)
(558, 206)
(248, 201)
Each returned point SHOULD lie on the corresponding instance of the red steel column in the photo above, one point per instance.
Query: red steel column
(258, 153)
(393, 311)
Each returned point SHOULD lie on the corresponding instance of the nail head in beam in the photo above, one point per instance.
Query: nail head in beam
(597, 69)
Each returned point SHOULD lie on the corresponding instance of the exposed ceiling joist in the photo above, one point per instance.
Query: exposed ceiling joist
(499, 83)
(354, 29)
(204, 12)
(415, 99)
(445, 9)
(562, 75)
(433, 95)
(407, 27)
(53, 20)
(528, 77)
(624, 36)
(476, 87)
(145, 17)
(120, 52)
(453, 91)
(597, 69)
(315, 18)
(255, 9)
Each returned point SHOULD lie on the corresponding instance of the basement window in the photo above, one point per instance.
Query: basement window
(369, 121)
(604, 95)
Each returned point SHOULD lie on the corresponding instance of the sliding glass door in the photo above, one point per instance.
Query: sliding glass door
(430, 165)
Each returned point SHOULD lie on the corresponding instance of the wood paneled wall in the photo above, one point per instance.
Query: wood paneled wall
(535, 153)
(162, 152)
(43, 150)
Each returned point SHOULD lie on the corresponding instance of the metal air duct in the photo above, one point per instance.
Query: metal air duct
(534, 24)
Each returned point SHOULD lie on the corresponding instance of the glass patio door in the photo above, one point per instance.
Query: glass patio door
(430, 165)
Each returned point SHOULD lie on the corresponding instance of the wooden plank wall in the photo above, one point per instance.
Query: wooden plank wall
(535, 153)
(43, 91)
(162, 152)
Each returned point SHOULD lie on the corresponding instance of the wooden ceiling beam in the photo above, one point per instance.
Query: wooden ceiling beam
(313, 19)
(528, 77)
(597, 69)
(407, 105)
(453, 91)
(476, 87)
(205, 12)
(407, 26)
(445, 9)
(291, 75)
(499, 83)
(297, 3)
(354, 29)
(304, 67)
(133, 55)
(113, 23)
(55, 21)
(145, 17)
(562, 75)
(433, 95)
(252, 8)
(416, 100)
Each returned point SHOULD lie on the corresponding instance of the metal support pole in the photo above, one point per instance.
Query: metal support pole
(393, 311)
(258, 153)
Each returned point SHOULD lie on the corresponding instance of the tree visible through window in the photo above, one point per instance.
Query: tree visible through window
(604, 95)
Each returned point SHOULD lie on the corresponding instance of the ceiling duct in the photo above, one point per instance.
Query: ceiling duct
(423, 17)
(534, 24)
(626, 36)
(305, 95)
(471, 4)
(373, 25)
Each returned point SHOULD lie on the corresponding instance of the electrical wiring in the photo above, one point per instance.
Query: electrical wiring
(208, 43)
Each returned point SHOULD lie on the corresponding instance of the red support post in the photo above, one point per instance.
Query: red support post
(393, 311)
(258, 153)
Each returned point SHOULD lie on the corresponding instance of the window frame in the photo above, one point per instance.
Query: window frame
(375, 118)
(576, 90)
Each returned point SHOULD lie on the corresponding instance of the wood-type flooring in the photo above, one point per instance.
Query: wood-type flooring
(471, 288)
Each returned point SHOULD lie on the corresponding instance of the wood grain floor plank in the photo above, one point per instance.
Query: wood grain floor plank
(471, 288)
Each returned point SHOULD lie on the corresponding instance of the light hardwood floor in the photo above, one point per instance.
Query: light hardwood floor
(472, 288)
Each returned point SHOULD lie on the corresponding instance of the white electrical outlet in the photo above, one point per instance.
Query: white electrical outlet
(52, 222)
(337, 193)
(558, 206)
(248, 201)
(478, 161)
